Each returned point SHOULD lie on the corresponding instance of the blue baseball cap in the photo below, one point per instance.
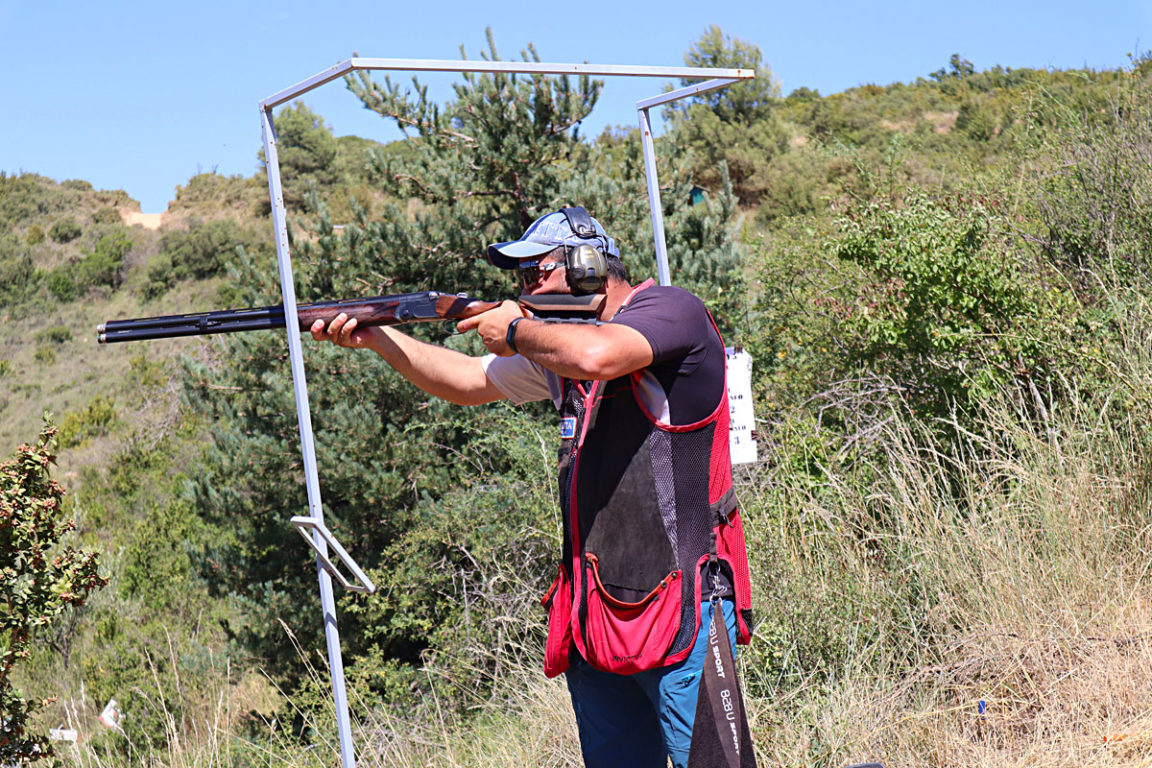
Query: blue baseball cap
(546, 234)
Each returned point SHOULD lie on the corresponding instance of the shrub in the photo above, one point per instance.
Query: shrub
(210, 194)
(92, 421)
(40, 578)
(103, 265)
(160, 277)
(106, 215)
(27, 195)
(201, 251)
(17, 270)
(57, 334)
(948, 309)
(45, 355)
(61, 285)
(64, 230)
(35, 235)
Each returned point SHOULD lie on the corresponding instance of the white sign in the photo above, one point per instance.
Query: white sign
(111, 715)
(743, 421)
(64, 734)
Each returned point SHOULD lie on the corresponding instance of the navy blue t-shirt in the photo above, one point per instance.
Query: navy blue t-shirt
(688, 355)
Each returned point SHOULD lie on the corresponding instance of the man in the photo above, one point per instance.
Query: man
(652, 537)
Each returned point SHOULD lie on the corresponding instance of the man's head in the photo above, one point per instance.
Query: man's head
(567, 239)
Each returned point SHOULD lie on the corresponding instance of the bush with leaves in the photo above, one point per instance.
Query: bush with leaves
(211, 195)
(203, 250)
(64, 230)
(948, 308)
(106, 215)
(930, 299)
(18, 276)
(103, 265)
(62, 285)
(1095, 206)
(25, 196)
(91, 421)
(40, 577)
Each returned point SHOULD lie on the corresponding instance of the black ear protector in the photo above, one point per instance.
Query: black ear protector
(586, 266)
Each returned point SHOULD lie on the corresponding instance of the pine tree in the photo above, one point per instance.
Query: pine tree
(737, 125)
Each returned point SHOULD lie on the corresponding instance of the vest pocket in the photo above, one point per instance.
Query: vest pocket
(732, 550)
(558, 603)
(628, 637)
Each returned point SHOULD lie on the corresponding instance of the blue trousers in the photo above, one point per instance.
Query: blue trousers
(640, 720)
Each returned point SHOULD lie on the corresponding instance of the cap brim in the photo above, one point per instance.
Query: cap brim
(508, 255)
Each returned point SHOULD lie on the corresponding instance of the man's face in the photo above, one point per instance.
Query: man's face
(544, 275)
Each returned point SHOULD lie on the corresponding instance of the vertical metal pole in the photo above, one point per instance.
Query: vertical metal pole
(654, 197)
(304, 416)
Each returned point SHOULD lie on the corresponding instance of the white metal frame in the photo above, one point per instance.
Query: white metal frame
(311, 526)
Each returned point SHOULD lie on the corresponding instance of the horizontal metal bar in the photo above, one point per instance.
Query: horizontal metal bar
(692, 90)
(510, 67)
(327, 76)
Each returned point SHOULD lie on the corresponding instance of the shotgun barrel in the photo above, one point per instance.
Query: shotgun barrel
(423, 306)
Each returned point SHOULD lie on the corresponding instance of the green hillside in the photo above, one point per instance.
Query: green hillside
(944, 288)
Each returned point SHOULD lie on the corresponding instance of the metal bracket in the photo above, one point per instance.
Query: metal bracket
(361, 583)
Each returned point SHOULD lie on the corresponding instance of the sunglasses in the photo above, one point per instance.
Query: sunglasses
(533, 274)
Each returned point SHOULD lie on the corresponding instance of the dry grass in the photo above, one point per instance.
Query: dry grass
(1033, 596)
(1029, 562)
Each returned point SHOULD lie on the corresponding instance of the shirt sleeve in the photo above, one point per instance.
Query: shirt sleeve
(686, 378)
(674, 322)
(521, 380)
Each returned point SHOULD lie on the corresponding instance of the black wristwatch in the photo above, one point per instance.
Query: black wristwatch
(510, 338)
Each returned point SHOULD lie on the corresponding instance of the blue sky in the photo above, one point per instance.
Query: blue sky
(142, 95)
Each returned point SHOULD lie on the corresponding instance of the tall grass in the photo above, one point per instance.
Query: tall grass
(1009, 568)
(215, 721)
(897, 593)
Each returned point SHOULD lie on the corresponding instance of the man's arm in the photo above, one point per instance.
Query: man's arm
(571, 350)
(439, 371)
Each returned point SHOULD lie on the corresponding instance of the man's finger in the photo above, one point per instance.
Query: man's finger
(347, 328)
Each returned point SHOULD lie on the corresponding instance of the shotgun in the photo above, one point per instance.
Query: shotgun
(424, 306)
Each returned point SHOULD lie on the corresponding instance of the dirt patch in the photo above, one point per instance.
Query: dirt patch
(146, 220)
(943, 122)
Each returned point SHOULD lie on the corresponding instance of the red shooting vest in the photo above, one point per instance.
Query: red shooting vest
(644, 504)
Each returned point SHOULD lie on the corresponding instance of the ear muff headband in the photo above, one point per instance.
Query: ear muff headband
(586, 266)
(580, 222)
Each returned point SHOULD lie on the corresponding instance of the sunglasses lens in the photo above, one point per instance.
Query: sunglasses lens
(529, 276)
